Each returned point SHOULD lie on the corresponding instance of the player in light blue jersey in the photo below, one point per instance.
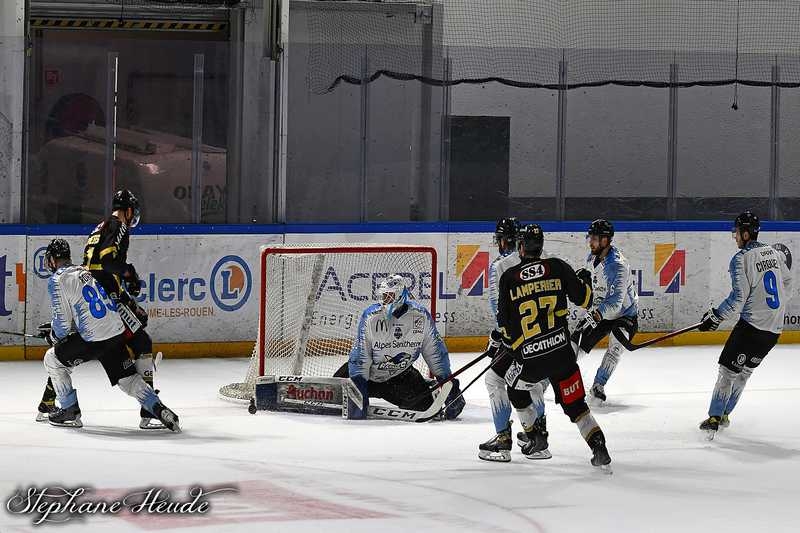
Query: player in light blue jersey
(761, 286)
(391, 336)
(86, 326)
(615, 305)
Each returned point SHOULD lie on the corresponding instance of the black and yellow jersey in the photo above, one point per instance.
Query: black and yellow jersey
(106, 253)
(533, 305)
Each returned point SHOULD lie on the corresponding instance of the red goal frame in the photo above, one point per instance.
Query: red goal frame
(300, 249)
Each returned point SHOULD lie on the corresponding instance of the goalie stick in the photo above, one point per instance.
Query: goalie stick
(407, 415)
(633, 347)
(452, 376)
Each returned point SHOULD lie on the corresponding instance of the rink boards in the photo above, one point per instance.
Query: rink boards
(201, 283)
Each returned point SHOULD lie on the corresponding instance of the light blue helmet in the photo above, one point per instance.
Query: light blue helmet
(393, 294)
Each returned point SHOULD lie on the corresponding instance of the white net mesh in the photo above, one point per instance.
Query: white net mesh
(313, 297)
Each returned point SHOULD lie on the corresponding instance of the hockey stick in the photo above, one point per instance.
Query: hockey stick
(21, 334)
(476, 378)
(453, 376)
(408, 415)
(632, 347)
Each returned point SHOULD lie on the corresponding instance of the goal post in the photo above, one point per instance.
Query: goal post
(311, 297)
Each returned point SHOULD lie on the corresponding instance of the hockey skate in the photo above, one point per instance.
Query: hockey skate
(69, 417)
(498, 448)
(724, 422)
(598, 394)
(535, 446)
(167, 417)
(149, 420)
(710, 425)
(44, 411)
(600, 456)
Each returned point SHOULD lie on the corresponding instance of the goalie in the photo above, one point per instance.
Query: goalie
(391, 336)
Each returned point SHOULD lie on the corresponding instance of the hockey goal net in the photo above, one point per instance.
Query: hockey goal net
(311, 299)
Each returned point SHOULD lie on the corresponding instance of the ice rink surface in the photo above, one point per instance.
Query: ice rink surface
(304, 473)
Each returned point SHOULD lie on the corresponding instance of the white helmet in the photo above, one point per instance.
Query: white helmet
(393, 293)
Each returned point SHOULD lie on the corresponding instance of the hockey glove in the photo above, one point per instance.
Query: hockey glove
(455, 402)
(585, 276)
(46, 333)
(710, 321)
(590, 322)
(132, 282)
(495, 342)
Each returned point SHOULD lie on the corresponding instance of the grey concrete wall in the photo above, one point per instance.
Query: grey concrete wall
(12, 55)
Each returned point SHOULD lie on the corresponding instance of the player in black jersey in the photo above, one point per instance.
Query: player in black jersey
(532, 314)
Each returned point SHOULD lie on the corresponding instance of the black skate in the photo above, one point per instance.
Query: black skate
(598, 393)
(710, 425)
(69, 417)
(498, 448)
(600, 456)
(43, 412)
(536, 445)
(167, 417)
(149, 420)
(724, 422)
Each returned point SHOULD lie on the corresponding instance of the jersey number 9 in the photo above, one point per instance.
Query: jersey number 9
(771, 286)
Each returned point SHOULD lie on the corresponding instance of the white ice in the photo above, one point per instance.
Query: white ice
(305, 473)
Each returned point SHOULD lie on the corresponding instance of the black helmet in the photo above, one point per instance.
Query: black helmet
(57, 249)
(125, 199)
(749, 222)
(602, 228)
(532, 238)
(508, 229)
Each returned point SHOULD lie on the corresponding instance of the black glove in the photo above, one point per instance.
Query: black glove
(710, 321)
(46, 333)
(590, 322)
(585, 276)
(132, 282)
(455, 402)
(495, 343)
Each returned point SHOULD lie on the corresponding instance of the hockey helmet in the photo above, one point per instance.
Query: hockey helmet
(393, 293)
(125, 199)
(749, 222)
(57, 249)
(602, 228)
(531, 237)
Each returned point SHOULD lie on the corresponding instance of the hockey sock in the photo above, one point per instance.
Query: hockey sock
(144, 367)
(527, 416)
(49, 394)
(610, 360)
(498, 400)
(587, 425)
(722, 391)
(737, 389)
(61, 379)
(135, 387)
(537, 397)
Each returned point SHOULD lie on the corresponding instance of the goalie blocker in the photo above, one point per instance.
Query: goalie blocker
(333, 396)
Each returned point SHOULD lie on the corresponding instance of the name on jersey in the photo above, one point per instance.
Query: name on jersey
(545, 345)
(378, 345)
(767, 264)
(542, 285)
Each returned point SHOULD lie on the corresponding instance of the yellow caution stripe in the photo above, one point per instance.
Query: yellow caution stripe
(117, 24)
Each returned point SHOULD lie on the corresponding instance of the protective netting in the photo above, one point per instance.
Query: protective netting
(555, 43)
(315, 295)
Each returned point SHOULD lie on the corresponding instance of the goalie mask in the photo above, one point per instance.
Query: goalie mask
(393, 294)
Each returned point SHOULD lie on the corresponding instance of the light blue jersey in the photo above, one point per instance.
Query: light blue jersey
(79, 305)
(761, 286)
(612, 285)
(385, 348)
(496, 269)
